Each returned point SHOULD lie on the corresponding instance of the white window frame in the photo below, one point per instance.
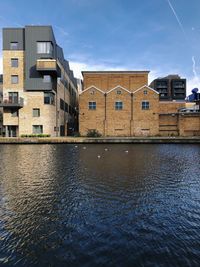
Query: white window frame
(14, 62)
(145, 105)
(44, 47)
(36, 112)
(37, 129)
(92, 105)
(14, 79)
(14, 45)
(119, 105)
(47, 79)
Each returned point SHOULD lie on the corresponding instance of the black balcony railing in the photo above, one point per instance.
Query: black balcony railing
(15, 103)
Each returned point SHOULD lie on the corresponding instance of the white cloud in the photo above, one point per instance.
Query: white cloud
(192, 82)
(154, 74)
(77, 67)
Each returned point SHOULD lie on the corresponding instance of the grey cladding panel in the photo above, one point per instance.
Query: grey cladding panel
(13, 35)
(33, 34)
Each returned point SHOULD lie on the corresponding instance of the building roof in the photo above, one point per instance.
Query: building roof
(117, 72)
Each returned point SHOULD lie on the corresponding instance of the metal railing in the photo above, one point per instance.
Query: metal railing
(12, 102)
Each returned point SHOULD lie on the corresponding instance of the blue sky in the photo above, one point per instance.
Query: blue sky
(162, 36)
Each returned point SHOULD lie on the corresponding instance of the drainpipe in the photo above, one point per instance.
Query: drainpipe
(105, 95)
(131, 114)
(56, 113)
(18, 123)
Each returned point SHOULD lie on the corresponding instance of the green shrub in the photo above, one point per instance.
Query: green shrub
(93, 133)
(35, 135)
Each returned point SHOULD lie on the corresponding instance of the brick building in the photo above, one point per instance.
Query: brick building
(120, 103)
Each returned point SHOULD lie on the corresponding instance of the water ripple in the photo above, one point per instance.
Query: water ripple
(61, 205)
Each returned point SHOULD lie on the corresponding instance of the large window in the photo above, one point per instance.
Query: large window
(36, 112)
(14, 79)
(145, 105)
(118, 105)
(49, 98)
(37, 129)
(92, 105)
(14, 62)
(44, 47)
(13, 45)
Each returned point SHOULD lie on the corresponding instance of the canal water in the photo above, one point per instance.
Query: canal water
(100, 205)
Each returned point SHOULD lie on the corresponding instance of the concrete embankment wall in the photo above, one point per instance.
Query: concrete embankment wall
(110, 140)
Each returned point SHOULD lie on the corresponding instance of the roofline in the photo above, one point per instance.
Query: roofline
(174, 101)
(92, 87)
(117, 72)
(120, 87)
(23, 27)
(146, 86)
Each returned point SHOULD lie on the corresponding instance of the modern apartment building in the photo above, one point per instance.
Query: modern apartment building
(171, 87)
(39, 89)
(120, 103)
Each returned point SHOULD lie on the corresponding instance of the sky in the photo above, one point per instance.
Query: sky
(162, 36)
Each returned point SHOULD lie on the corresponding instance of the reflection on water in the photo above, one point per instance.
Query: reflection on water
(99, 205)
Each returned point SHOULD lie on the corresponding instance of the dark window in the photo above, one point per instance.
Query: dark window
(13, 97)
(62, 130)
(14, 79)
(66, 107)
(44, 48)
(70, 109)
(119, 92)
(66, 84)
(62, 104)
(13, 45)
(49, 98)
(70, 88)
(37, 129)
(14, 62)
(92, 105)
(118, 105)
(145, 92)
(36, 112)
(145, 105)
(47, 78)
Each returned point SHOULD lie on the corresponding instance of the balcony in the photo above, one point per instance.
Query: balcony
(48, 66)
(12, 103)
(162, 86)
(179, 86)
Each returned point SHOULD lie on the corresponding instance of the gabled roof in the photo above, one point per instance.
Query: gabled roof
(92, 87)
(116, 87)
(145, 86)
